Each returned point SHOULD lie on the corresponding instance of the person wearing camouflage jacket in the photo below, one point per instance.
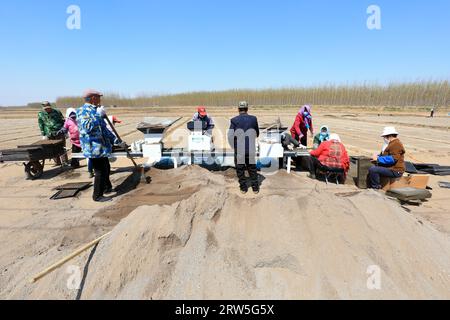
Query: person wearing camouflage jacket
(50, 121)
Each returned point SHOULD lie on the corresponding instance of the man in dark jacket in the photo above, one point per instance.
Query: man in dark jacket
(244, 130)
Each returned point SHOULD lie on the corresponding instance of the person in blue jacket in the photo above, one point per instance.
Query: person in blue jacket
(96, 142)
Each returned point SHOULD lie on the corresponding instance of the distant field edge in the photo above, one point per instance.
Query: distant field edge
(322, 107)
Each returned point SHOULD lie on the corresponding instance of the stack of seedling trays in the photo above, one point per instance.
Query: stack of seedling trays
(70, 190)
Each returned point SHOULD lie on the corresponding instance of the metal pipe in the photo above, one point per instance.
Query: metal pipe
(182, 153)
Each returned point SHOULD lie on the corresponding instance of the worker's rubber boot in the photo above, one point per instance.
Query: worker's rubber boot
(103, 199)
(244, 190)
(109, 191)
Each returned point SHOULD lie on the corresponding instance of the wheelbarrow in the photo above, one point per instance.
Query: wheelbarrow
(34, 156)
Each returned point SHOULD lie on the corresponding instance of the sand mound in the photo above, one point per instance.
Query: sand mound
(297, 240)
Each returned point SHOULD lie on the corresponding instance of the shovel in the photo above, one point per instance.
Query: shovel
(141, 169)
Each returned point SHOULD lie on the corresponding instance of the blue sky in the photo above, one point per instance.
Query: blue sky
(165, 46)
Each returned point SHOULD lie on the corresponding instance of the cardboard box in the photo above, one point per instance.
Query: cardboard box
(419, 181)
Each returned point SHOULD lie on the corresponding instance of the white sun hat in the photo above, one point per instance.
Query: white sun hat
(69, 111)
(335, 136)
(389, 131)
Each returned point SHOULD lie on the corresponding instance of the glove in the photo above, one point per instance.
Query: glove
(302, 147)
(44, 138)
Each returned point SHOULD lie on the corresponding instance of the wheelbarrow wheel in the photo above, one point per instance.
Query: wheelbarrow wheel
(34, 169)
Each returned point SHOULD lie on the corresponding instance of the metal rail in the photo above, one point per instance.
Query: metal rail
(184, 153)
(176, 154)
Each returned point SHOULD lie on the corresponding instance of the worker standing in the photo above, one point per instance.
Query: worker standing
(101, 110)
(303, 123)
(391, 162)
(114, 120)
(244, 130)
(71, 127)
(96, 143)
(207, 121)
(50, 122)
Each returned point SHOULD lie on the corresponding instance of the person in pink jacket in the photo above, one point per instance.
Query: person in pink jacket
(303, 123)
(71, 127)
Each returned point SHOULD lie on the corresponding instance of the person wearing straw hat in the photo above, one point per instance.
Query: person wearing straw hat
(391, 162)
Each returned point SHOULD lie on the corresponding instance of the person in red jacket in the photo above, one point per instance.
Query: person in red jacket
(303, 123)
(330, 154)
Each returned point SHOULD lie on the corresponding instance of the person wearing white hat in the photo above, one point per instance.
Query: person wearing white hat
(391, 162)
(330, 155)
(71, 127)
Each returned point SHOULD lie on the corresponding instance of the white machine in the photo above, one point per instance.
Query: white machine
(201, 149)
(152, 146)
(270, 145)
(198, 140)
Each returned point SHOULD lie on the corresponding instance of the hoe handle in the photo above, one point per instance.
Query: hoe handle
(118, 137)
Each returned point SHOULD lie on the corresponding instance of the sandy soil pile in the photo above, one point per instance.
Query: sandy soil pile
(190, 234)
(296, 240)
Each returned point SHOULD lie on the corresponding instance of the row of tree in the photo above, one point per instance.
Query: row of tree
(419, 94)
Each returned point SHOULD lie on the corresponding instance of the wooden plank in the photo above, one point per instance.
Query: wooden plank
(68, 258)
